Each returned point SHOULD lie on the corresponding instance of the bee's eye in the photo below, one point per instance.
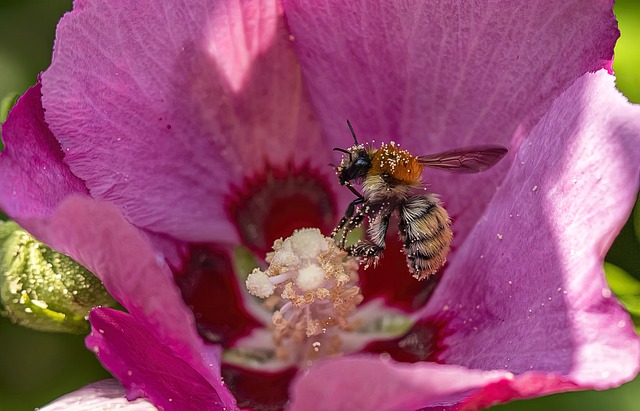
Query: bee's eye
(361, 162)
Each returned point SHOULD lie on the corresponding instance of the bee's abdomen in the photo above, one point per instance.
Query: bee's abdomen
(425, 229)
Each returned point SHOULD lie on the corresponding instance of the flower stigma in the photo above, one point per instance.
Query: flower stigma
(311, 288)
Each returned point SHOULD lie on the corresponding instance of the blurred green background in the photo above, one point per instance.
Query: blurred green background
(36, 367)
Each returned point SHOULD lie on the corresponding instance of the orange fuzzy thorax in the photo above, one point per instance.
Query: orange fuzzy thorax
(400, 164)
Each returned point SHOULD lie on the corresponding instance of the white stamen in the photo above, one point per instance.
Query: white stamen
(312, 287)
(259, 285)
(310, 277)
(307, 243)
(284, 255)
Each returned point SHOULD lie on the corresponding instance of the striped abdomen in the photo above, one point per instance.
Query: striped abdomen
(425, 230)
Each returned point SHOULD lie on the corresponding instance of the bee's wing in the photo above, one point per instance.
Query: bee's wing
(466, 159)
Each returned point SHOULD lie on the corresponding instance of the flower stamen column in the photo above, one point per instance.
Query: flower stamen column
(317, 286)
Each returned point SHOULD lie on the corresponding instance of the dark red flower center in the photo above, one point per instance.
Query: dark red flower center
(419, 344)
(270, 206)
(210, 288)
(391, 279)
(259, 391)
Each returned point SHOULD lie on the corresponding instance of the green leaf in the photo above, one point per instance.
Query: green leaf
(7, 104)
(627, 289)
(43, 289)
(621, 282)
(631, 303)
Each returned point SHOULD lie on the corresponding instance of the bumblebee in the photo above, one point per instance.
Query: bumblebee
(391, 183)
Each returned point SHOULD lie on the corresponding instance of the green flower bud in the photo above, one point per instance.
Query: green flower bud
(43, 289)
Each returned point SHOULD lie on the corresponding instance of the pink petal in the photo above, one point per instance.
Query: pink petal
(526, 385)
(526, 291)
(163, 105)
(96, 234)
(34, 177)
(375, 384)
(146, 366)
(105, 395)
(369, 383)
(439, 75)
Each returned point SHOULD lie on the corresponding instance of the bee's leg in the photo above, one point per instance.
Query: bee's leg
(352, 224)
(371, 249)
(348, 215)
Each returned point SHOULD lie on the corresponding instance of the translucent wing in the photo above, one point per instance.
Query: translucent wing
(466, 159)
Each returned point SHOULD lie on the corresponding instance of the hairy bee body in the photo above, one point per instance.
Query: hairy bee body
(425, 229)
(424, 225)
(391, 185)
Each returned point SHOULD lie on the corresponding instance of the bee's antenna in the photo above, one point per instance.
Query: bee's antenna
(353, 133)
(342, 150)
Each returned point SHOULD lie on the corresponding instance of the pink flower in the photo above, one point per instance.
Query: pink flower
(166, 133)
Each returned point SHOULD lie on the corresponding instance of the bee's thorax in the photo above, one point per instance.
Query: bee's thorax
(397, 163)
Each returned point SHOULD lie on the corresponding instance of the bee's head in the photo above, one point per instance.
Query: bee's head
(355, 164)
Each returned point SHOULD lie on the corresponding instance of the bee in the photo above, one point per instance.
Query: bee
(392, 183)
